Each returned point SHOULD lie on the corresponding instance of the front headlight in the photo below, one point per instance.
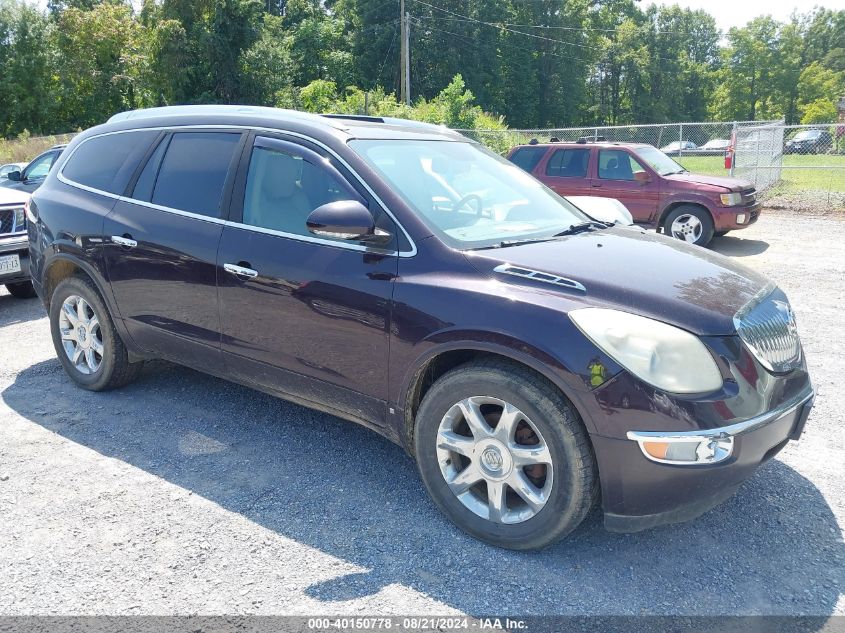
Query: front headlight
(662, 355)
(731, 199)
(20, 219)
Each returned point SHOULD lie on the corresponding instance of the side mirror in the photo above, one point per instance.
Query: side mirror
(642, 177)
(345, 220)
(14, 176)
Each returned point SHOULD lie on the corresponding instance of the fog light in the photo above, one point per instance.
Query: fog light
(683, 450)
(740, 218)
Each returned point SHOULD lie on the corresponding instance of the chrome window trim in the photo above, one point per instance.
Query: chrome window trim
(65, 157)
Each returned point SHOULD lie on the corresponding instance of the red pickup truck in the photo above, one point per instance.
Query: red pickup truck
(659, 192)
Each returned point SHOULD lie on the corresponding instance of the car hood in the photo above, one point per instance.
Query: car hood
(10, 195)
(636, 271)
(731, 184)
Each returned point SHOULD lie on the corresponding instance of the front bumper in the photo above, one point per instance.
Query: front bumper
(651, 494)
(725, 218)
(18, 245)
(761, 411)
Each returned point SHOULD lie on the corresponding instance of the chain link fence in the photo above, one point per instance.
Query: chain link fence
(791, 166)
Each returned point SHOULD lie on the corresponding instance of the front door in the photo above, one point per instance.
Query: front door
(161, 247)
(306, 316)
(616, 177)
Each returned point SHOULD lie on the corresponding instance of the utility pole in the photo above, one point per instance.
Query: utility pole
(404, 55)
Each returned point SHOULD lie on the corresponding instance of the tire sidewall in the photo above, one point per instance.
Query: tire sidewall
(76, 286)
(707, 231)
(560, 515)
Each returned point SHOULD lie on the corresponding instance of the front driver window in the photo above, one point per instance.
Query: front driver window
(39, 168)
(282, 189)
(616, 164)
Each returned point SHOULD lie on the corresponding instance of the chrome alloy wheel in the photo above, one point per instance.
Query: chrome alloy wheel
(494, 459)
(81, 336)
(687, 227)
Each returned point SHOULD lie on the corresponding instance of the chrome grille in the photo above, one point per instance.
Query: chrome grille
(7, 221)
(766, 324)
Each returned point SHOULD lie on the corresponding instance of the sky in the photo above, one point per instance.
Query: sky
(730, 13)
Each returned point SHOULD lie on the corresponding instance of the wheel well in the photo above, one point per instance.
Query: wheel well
(675, 205)
(436, 367)
(58, 272)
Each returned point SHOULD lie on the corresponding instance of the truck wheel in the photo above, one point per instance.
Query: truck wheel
(504, 455)
(21, 290)
(86, 342)
(690, 223)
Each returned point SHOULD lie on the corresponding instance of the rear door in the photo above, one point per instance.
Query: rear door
(615, 178)
(565, 171)
(161, 245)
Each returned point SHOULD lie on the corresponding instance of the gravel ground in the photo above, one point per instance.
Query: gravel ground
(185, 494)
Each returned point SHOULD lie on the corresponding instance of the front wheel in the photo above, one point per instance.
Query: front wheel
(86, 342)
(504, 455)
(690, 223)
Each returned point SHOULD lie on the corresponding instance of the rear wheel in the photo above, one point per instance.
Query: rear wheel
(504, 455)
(21, 290)
(690, 223)
(86, 342)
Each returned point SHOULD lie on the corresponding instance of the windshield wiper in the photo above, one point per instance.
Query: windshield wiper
(583, 226)
(572, 230)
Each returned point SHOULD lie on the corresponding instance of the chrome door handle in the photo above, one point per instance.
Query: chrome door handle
(124, 241)
(240, 271)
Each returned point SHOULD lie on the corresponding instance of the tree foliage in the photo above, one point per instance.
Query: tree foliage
(538, 63)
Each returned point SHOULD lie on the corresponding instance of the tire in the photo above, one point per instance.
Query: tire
(695, 224)
(21, 290)
(720, 233)
(569, 490)
(110, 367)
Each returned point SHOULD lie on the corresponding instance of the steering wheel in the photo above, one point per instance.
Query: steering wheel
(466, 200)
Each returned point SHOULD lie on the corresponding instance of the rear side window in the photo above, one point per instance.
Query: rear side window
(193, 171)
(108, 162)
(527, 157)
(568, 163)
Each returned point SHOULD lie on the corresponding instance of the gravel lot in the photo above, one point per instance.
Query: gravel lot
(185, 494)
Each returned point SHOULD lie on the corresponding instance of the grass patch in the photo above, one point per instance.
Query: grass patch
(799, 173)
(24, 148)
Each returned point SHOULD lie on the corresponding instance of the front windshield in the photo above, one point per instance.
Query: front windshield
(467, 195)
(659, 161)
(806, 134)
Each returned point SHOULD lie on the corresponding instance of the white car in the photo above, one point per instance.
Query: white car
(14, 247)
(603, 209)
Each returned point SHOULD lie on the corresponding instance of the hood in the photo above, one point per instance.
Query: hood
(731, 184)
(643, 273)
(10, 195)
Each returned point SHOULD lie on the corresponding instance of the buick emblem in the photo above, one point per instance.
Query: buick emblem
(492, 459)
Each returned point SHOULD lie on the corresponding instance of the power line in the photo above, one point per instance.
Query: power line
(472, 40)
(386, 57)
(553, 27)
(532, 35)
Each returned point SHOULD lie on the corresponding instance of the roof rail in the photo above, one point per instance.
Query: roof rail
(591, 139)
(355, 117)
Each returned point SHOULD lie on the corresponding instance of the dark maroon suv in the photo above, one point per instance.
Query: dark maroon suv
(532, 360)
(658, 192)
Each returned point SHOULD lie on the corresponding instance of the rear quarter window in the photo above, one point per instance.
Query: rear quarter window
(107, 162)
(527, 157)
